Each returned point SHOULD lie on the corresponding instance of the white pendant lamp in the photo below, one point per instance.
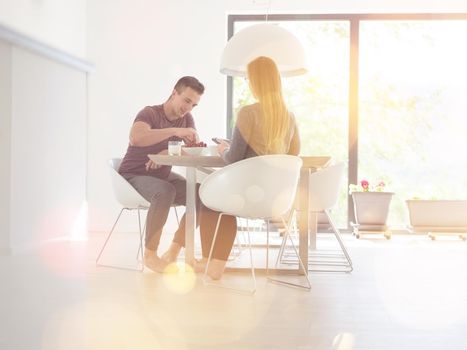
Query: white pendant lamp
(268, 40)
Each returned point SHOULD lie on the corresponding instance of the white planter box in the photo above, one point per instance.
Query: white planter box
(447, 216)
(371, 212)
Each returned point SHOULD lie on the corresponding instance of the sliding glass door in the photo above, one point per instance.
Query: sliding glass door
(393, 87)
(413, 109)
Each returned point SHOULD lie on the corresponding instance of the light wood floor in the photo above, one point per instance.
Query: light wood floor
(406, 293)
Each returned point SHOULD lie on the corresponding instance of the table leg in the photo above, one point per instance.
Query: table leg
(190, 215)
(303, 216)
(313, 229)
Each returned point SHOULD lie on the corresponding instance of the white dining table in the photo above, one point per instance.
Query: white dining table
(307, 222)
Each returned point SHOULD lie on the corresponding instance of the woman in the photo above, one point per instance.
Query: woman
(265, 127)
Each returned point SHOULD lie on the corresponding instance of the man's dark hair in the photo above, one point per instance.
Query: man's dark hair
(190, 82)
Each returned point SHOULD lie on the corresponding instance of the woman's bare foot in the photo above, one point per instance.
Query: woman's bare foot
(171, 255)
(215, 270)
(153, 262)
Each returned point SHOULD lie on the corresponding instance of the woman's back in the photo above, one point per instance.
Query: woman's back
(266, 127)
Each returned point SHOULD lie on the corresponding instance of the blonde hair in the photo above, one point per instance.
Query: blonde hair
(265, 84)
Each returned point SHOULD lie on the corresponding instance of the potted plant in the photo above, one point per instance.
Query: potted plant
(371, 208)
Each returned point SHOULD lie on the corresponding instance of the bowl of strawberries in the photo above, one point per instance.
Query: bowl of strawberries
(194, 148)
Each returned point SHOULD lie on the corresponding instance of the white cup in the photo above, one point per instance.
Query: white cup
(175, 148)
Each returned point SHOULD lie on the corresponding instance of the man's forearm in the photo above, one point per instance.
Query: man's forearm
(143, 138)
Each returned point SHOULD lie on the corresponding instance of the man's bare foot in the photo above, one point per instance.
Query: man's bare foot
(153, 262)
(200, 265)
(215, 270)
(171, 254)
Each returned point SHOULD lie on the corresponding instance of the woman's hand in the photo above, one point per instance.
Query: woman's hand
(222, 147)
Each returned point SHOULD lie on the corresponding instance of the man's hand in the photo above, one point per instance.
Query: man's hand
(151, 165)
(187, 134)
(141, 134)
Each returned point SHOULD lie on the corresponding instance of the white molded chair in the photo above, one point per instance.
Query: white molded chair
(261, 187)
(130, 199)
(324, 186)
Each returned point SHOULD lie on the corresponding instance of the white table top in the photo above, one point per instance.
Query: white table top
(187, 160)
(309, 162)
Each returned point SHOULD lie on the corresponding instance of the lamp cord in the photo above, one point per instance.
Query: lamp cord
(267, 9)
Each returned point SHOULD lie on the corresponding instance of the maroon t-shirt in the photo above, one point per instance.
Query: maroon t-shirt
(136, 157)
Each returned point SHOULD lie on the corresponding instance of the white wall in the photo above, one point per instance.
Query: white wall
(141, 47)
(5, 145)
(43, 115)
(48, 149)
(58, 23)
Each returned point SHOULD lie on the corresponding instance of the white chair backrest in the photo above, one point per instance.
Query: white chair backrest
(125, 194)
(258, 187)
(324, 187)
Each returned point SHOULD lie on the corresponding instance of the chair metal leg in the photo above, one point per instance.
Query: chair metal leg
(236, 249)
(176, 215)
(305, 270)
(341, 243)
(321, 259)
(327, 259)
(282, 249)
(345, 265)
(290, 221)
(206, 280)
(251, 258)
(141, 235)
(267, 246)
(107, 240)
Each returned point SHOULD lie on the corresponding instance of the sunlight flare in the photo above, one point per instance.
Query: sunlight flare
(179, 279)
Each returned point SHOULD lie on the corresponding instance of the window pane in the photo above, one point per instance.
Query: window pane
(318, 99)
(412, 105)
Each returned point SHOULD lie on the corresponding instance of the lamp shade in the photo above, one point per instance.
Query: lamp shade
(264, 39)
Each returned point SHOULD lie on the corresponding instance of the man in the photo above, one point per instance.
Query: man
(152, 129)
